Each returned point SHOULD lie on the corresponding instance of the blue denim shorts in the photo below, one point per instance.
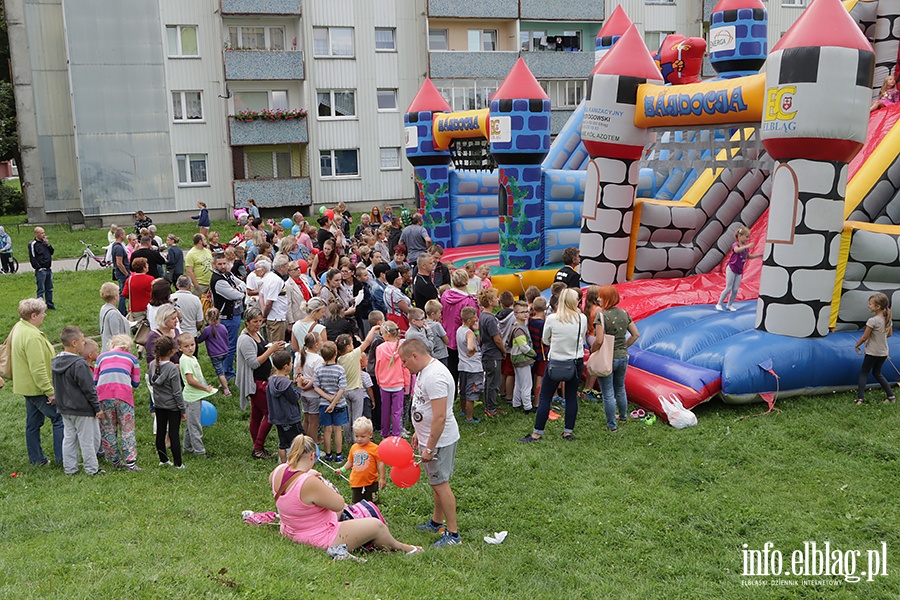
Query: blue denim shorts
(218, 363)
(336, 418)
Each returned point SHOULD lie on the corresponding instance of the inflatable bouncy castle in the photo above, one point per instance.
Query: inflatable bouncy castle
(656, 170)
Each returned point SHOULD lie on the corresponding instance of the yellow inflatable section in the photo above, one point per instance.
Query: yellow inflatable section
(517, 283)
(459, 125)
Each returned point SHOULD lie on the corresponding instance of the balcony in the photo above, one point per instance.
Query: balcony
(474, 9)
(273, 193)
(561, 10)
(261, 7)
(496, 65)
(263, 65)
(260, 132)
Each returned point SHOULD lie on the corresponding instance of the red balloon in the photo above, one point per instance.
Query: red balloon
(395, 451)
(329, 213)
(407, 475)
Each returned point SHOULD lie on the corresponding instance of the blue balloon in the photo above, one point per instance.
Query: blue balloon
(318, 452)
(208, 413)
(287, 223)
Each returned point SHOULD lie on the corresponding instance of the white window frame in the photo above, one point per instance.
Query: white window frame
(459, 92)
(446, 36)
(334, 117)
(662, 36)
(559, 89)
(331, 53)
(659, 1)
(270, 102)
(794, 3)
(396, 167)
(334, 162)
(267, 33)
(187, 158)
(393, 92)
(481, 33)
(273, 153)
(178, 30)
(184, 118)
(393, 32)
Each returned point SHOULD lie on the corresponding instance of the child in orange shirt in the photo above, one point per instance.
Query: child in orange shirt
(367, 473)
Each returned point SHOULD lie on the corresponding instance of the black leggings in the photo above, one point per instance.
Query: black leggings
(168, 420)
(873, 364)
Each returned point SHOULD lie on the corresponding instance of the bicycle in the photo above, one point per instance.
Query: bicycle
(13, 266)
(84, 261)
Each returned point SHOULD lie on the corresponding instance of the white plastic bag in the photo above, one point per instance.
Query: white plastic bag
(679, 416)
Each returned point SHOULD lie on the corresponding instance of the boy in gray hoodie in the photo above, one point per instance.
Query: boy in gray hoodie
(283, 399)
(76, 401)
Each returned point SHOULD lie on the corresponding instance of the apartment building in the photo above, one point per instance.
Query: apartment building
(160, 105)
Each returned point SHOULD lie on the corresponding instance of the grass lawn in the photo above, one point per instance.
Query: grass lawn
(648, 512)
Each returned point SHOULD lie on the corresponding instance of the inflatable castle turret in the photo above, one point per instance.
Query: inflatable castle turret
(613, 28)
(615, 145)
(432, 166)
(520, 139)
(818, 90)
(738, 35)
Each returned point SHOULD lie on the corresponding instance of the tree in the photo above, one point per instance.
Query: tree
(9, 138)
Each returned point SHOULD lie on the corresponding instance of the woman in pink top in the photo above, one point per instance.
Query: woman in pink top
(453, 301)
(309, 508)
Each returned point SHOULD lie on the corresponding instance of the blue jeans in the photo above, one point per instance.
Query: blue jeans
(233, 325)
(548, 389)
(123, 301)
(613, 388)
(36, 409)
(44, 278)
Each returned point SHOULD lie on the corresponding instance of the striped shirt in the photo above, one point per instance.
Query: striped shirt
(116, 374)
(330, 379)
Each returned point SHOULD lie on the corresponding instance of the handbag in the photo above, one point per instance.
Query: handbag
(401, 320)
(6, 357)
(564, 370)
(600, 363)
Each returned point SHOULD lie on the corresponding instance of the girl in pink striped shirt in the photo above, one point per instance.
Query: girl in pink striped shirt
(116, 374)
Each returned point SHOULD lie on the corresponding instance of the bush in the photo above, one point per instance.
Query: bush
(12, 201)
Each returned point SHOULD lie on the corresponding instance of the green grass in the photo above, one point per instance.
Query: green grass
(648, 512)
(15, 183)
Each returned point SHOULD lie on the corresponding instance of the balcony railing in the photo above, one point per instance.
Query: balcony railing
(261, 7)
(479, 9)
(496, 65)
(273, 193)
(255, 65)
(562, 10)
(260, 132)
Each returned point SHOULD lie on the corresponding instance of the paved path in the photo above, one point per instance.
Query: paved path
(63, 264)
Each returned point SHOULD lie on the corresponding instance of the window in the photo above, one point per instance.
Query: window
(256, 38)
(655, 39)
(387, 100)
(438, 39)
(260, 100)
(538, 40)
(191, 169)
(482, 40)
(336, 104)
(182, 40)
(659, 1)
(794, 3)
(390, 159)
(385, 39)
(564, 93)
(333, 41)
(339, 163)
(467, 94)
(187, 106)
(268, 164)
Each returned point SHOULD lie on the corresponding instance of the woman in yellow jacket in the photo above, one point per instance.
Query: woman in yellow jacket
(31, 353)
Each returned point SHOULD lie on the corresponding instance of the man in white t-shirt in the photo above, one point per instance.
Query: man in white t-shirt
(436, 436)
(273, 299)
(188, 305)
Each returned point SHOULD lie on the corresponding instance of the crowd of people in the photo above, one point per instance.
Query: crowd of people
(347, 331)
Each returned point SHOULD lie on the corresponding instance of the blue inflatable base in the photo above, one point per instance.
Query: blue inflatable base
(727, 342)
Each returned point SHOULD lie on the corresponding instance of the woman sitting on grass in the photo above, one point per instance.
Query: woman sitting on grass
(309, 508)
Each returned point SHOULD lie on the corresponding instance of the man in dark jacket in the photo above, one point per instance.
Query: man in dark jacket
(568, 274)
(76, 401)
(40, 253)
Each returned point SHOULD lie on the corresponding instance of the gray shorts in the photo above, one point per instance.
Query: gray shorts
(471, 385)
(310, 405)
(440, 469)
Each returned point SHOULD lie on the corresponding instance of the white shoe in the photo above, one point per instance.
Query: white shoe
(720, 307)
(732, 309)
(166, 464)
(181, 466)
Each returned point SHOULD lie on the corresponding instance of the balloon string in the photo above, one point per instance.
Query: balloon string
(331, 469)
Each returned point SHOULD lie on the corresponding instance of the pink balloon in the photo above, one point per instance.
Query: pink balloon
(395, 451)
(407, 475)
